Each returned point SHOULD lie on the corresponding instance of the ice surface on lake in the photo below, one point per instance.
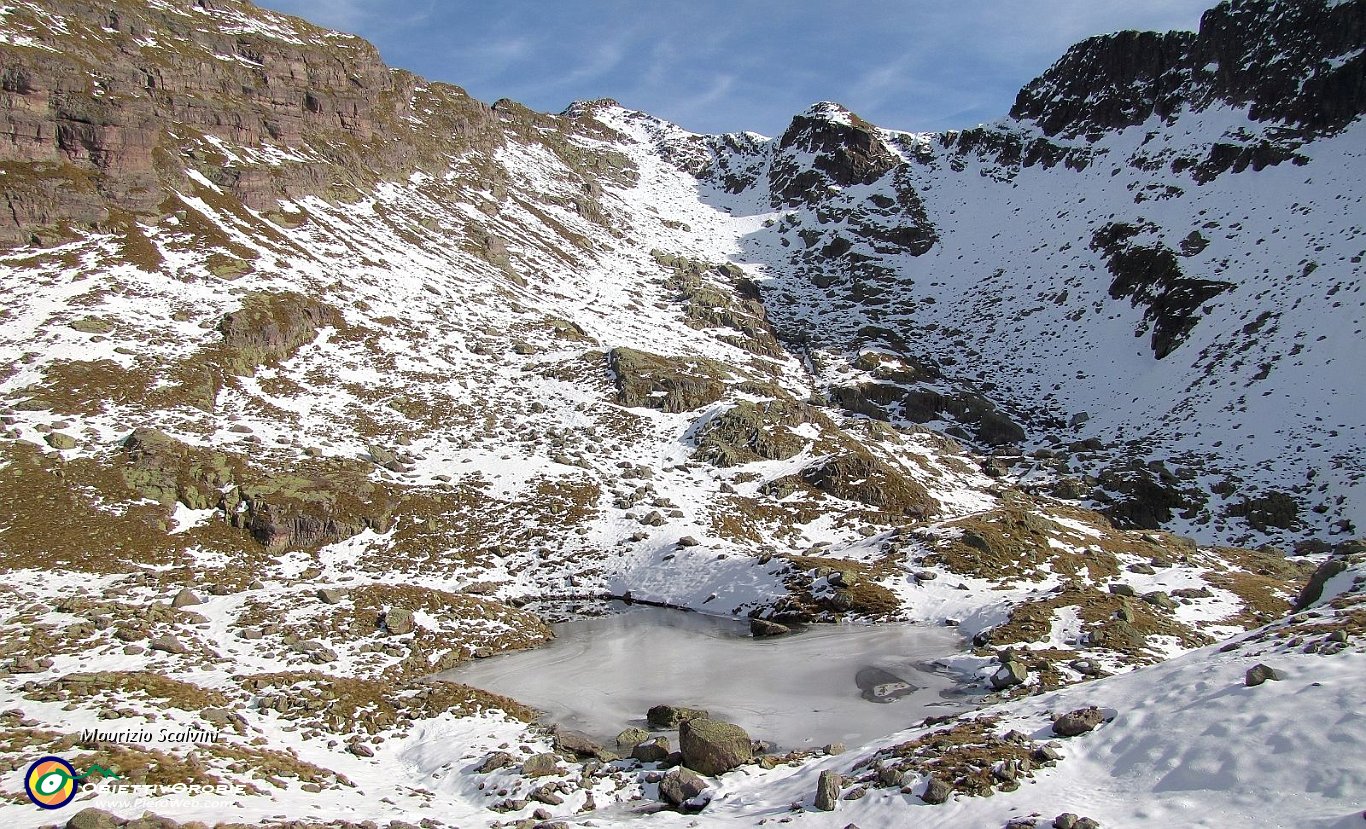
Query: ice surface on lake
(601, 675)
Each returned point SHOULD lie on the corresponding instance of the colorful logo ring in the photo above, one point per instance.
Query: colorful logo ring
(50, 782)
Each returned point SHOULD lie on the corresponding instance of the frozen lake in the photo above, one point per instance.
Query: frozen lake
(825, 684)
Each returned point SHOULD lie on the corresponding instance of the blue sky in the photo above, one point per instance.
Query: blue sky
(715, 66)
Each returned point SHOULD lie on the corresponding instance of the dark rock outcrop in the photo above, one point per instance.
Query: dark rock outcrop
(846, 150)
(1151, 276)
(1293, 61)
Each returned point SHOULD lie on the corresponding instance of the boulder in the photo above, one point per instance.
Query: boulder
(761, 628)
(652, 751)
(185, 598)
(92, 818)
(58, 440)
(1157, 598)
(581, 745)
(496, 760)
(1313, 589)
(1010, 674)
(540, 765)
(828, 790)
(169, 644)
(680, 786)
(1078, 722)
(91, 325)
(936, 791)
(399, 621)
(670, 716)
(330, 596)
(713, 747)
(1259, 673)
(632, 737)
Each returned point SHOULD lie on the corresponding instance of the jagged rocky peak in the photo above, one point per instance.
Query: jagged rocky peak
(823, 146)
(1298, 62)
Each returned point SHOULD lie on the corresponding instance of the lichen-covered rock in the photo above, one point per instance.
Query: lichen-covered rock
(540, 765)
(855, 474)
(670, 716)
(59, 440)
(270, 327)
(680, 786)
(828, 790)
(713, 747)
(1080, 721)
(750, 431)
(670, 384)
(399, 621)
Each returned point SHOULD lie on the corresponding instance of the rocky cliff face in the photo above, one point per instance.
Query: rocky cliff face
(1296, 63)
(107, 107)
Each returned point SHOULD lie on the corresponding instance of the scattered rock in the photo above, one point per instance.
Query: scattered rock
(828, 790)
(361, 749)
(92, 818)
(1259, 673)
(762, 628)
(330, 595)
(713, 747)
(936, 791)
(1008, 675)
(670, 716)
(1192, 593)
(169, 644)
(1121, 589)
(58, 440)
(680, 786)
(632, 737)
(1078, 722)
(399, 621)
(540, 765)
(185, 598)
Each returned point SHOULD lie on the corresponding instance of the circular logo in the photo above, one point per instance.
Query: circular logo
(50, 782)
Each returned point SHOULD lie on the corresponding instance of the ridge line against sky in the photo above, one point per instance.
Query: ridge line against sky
(717, 67)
